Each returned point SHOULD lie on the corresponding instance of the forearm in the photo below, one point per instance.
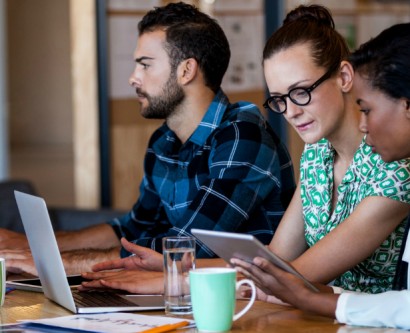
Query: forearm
(289, 241)
(352, 241)
(79, 261)
(321, 304)
(101, 236)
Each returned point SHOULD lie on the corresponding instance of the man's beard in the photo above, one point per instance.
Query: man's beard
(164, 104)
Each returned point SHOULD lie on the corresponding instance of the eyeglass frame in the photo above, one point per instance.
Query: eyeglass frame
(323, 78)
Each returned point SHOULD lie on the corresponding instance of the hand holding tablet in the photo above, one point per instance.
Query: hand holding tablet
(229, 245)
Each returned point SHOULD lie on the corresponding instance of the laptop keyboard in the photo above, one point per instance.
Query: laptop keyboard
(100, 299)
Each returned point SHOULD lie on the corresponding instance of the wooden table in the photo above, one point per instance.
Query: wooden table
(262, 317)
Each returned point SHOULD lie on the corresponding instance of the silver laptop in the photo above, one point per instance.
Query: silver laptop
(49, 264)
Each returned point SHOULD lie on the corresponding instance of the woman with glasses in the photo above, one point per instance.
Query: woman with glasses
(382, 90)
(346, 220)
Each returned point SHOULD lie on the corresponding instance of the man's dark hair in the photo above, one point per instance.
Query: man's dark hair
(191, 34)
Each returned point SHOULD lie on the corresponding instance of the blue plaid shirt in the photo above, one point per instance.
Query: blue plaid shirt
(233, 174)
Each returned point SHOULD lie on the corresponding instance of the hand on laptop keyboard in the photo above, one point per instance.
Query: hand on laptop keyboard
(137, 282)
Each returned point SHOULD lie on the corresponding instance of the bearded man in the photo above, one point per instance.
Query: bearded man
(212, 165)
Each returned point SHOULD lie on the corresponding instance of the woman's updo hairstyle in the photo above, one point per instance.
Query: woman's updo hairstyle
(384, 61)
(312, 25)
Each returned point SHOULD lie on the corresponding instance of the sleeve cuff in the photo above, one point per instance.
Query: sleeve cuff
(341, 307)
(337, 290)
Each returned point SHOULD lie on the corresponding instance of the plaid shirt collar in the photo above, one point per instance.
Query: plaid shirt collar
(209, 123)
(211, 120)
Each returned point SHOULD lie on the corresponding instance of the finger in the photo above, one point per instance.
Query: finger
(148, 288)
(269, 268)
(247, 274)
(261, 278)
(261, 293)
(247, 269)
(133, 248)
(98, 275)
(94, 284)
(82, 288)
(246, 293)
(130, 287)
(240, 263)
(108, 265)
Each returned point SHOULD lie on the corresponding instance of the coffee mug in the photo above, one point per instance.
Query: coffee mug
(2, 281)
(213, 292)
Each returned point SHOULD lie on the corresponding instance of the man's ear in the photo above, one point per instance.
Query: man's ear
(188, 70)
(346, 76)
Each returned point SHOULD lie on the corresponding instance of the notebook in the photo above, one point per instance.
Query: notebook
(49, 264)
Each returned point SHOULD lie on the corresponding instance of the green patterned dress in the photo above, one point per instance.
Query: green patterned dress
(367, 176)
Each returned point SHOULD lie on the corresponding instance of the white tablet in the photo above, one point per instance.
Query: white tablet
(229, 245)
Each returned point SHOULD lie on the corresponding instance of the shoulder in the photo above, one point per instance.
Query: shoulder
(244, 122)
(243, 112)
(247, 118)
(392, 178)
(386, 179)
(374, 168)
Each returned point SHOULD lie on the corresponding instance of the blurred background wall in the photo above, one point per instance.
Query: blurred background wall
(40, 105)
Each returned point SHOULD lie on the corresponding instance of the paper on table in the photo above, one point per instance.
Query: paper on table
(110, 322)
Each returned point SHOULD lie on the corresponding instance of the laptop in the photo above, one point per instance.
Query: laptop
(49, 264)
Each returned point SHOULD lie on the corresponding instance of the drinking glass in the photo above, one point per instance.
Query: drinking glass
(179, 259)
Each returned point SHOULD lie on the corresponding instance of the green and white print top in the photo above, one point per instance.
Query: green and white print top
(366, 176)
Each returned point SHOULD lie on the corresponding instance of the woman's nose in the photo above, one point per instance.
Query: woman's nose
(292, 110)
(363, 123)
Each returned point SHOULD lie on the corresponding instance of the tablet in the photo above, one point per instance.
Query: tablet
(35, 285)
(229, 245)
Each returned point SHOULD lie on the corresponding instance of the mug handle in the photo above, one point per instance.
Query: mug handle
(252, 300)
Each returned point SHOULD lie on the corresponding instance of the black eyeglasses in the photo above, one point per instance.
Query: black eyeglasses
(298, 95)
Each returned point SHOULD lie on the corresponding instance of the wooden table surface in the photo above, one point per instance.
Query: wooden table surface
(262, 317)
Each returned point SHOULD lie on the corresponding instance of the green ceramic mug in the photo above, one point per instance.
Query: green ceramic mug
(213, 293)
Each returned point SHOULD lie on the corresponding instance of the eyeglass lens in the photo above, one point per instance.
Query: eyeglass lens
(298, 96)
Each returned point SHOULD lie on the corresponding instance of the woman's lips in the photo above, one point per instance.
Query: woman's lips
(304, 127)
(373, 149)
(371, 146)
